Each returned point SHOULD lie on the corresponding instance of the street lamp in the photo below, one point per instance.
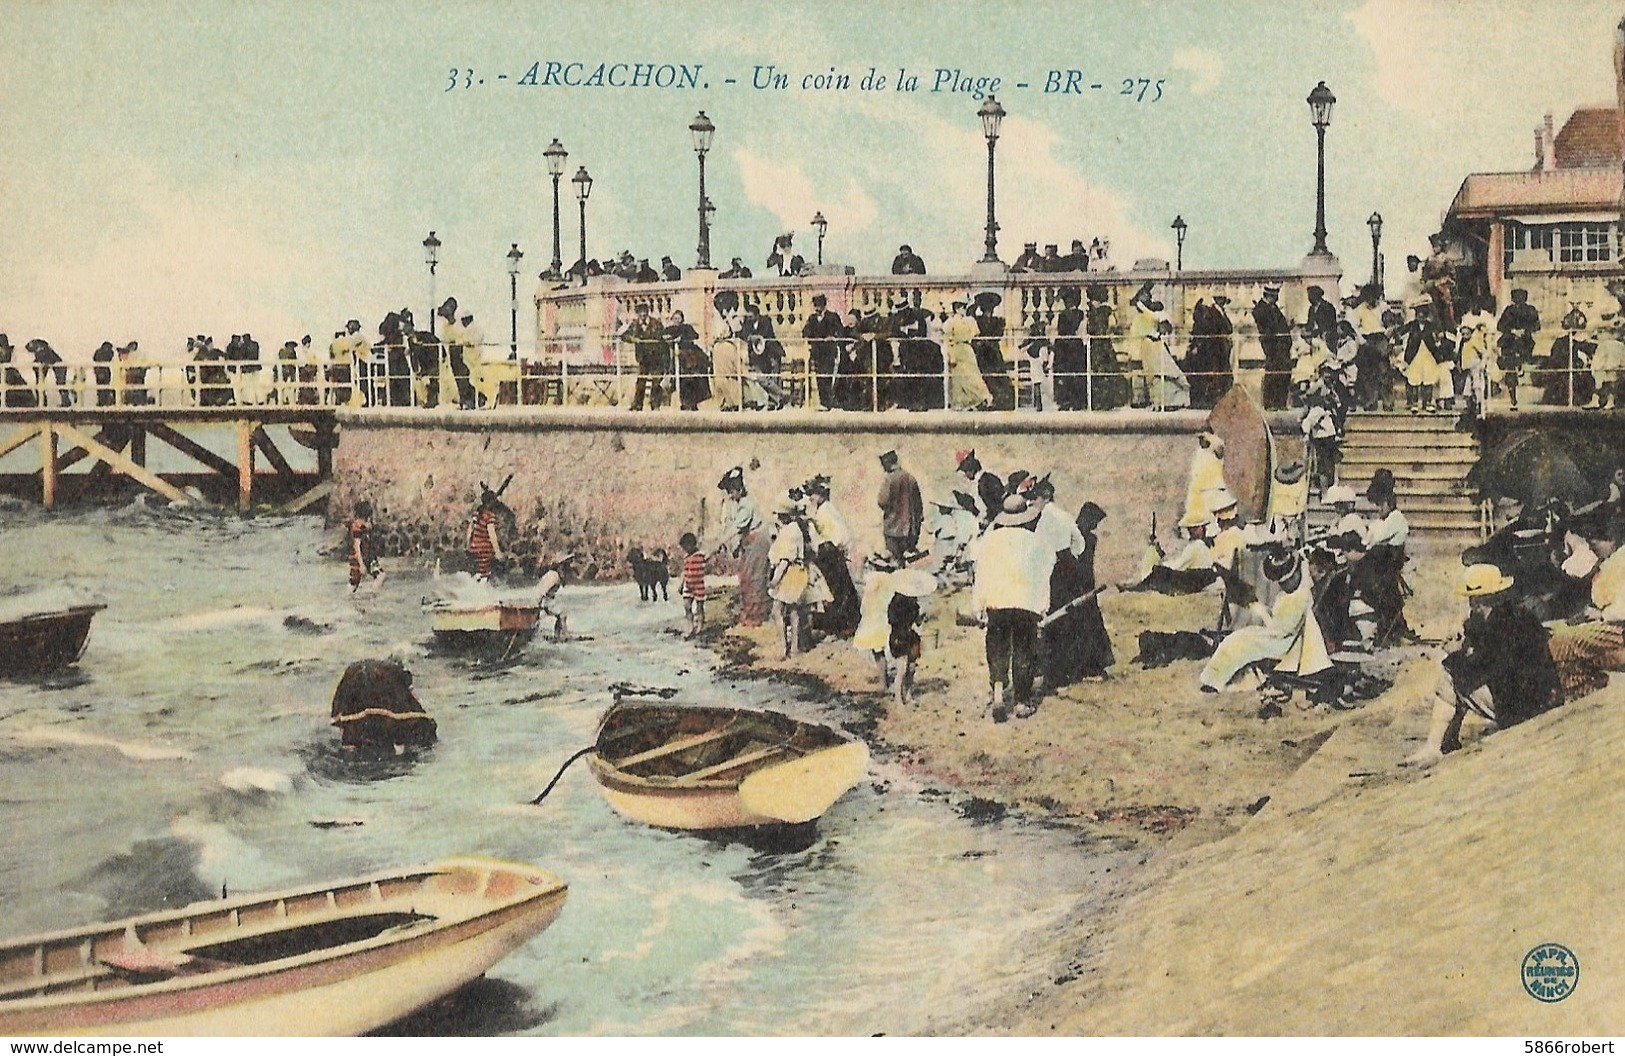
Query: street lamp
(702, 129)
(555, 155)
(514, 256)
(991, 114)
(431, 257)
(1374, 222)
(820, 225)
(583, 184)
(1180, 227)
(1320, 110)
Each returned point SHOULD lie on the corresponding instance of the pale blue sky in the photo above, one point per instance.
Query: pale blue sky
(176, 168)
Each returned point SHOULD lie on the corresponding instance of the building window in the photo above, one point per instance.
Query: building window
(1526, 241)
(1583, 243)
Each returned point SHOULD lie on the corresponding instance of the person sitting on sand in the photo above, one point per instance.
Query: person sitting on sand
(1291, 636)
(1502, 671)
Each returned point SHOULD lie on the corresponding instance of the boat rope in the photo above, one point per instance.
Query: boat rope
(567, 763)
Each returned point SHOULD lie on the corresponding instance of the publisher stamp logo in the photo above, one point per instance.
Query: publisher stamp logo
(1550, 972)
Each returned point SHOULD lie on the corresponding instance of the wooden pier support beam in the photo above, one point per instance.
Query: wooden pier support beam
(48, 465)
(245, 465)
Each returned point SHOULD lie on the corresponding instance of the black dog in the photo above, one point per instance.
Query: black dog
(1161, 648)
(651, 574)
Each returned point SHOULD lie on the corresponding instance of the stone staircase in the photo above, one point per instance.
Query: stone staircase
(1429, 458)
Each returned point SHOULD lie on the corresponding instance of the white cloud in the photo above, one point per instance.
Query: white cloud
(784, 189)
(1206, 66)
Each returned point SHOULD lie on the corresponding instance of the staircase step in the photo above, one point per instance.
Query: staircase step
(1434, 473)
(1378, 420)
(1452, 440)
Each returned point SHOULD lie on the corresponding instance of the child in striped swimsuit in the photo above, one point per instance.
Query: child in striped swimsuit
(692, 589)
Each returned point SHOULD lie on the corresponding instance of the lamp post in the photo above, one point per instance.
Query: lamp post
(555, 155)
(514, 256)
(1320, 110)
(1374, 222)
(583, 185)
(702, 130)
(431, 257)
(991, 114)
(820, 225)
(1180, 227)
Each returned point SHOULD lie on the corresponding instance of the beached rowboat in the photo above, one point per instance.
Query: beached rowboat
(42, 642)
(331, 959)
(679, 767)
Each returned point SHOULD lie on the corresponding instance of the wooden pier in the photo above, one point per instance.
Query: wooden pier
(113, 441)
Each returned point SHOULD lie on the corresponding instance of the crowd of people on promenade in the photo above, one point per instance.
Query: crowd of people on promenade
(402, 366)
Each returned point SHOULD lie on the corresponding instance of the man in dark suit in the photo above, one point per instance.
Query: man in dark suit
(1275, 335)
(669, 272)
(822, 331)
(1322, 318)
(907, 262)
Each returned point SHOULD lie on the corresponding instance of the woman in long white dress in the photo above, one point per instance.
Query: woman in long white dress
(967, 390)
(728, 354)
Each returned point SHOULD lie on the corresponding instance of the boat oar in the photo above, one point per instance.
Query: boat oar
(567, 763)
(1073, 604)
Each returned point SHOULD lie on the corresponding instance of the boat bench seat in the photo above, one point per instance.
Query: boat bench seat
(675, 746)
(734, 763)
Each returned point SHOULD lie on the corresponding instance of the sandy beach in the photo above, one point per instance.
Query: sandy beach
(1296, 879)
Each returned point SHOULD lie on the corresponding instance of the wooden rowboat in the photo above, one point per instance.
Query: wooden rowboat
(43, 642)
(698, 768)
(331, 959)
(495, 629)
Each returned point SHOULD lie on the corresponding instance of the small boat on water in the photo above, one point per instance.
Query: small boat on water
(42, 642)
(326, 960)
(699, 768)
(499, 628)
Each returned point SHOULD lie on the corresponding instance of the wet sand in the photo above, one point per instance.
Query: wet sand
(1296, 880)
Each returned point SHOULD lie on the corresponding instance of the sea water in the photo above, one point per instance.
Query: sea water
(190, 752)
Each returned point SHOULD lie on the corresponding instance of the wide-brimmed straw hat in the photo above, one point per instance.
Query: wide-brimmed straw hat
(1339, 493)
(1480, 581)
(1017, 513)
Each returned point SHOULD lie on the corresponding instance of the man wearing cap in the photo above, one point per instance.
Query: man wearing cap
(823, 330)
(1320, 319)
(736, 270)
(1275, 337)
(669, 272)
(907, 262)
(1051, 262)
(1011, 589)
(1503, 670)
(902, 510)
(1029, 261)
(1291, 636)
(1517, 326)
(653, 355)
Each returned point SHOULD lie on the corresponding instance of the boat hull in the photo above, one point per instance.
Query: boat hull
(45, 642)
(490, 629)
(346, 991)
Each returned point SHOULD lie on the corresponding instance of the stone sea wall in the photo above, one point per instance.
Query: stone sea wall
(596, 482)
